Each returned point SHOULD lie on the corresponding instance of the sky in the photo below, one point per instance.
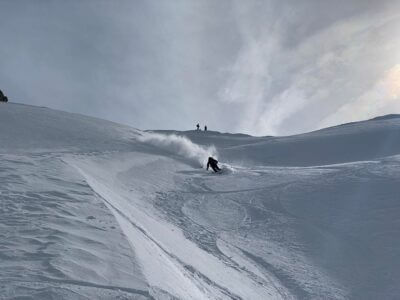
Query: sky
(271, 67)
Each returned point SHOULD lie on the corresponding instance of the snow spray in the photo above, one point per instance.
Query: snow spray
(180, 145)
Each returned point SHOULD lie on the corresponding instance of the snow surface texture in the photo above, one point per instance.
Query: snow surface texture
(95, 210)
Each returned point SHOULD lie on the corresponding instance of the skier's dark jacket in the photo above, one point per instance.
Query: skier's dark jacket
(2, 97)
(213, 163)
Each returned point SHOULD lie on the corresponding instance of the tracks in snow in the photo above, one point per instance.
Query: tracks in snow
(170, 262)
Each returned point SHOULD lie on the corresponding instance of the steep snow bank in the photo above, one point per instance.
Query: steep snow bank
(38, 129)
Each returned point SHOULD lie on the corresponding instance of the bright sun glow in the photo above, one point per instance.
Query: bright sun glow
(392, 82)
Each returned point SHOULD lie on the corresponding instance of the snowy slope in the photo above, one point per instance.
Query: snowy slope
(366, 140)
(91, 209)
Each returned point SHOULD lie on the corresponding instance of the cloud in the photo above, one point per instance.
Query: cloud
(290, 85)
(258, 67)
(383, 98)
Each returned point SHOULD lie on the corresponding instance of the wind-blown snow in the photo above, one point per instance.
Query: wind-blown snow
(180, 145)
(95, 210)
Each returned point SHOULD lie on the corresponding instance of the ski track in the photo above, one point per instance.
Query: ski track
(173, 263)
(233, 270)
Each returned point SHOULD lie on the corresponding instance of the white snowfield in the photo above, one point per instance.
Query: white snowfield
(91, 209)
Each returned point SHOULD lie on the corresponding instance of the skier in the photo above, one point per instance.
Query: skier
(205, 128)
(198, 126)
(2, 97)
(213, 163)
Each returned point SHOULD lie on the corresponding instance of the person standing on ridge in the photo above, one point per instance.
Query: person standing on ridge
(198, 126)
(205, 128)
(213, 163)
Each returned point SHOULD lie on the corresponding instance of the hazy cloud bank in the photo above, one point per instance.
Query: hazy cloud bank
(259, 67)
